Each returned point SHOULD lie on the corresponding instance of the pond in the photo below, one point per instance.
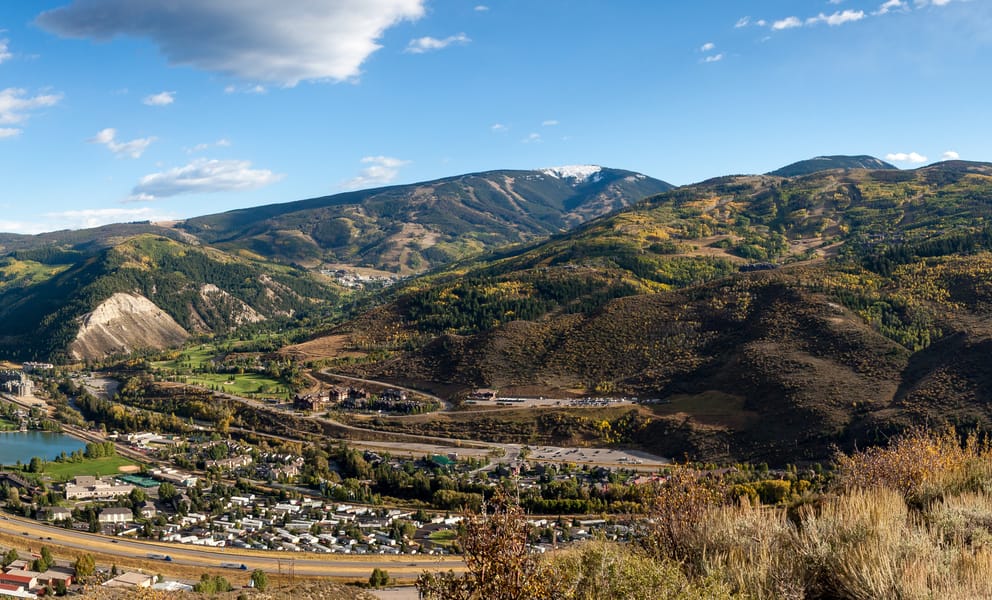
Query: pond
(23, 445)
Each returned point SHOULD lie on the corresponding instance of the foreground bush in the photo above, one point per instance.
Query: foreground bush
(912, 521)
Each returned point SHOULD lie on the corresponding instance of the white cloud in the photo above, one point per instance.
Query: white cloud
(533, 138)
(382, 170)
(16, 105)
(742, 22)
(549, 123)
(911, 157)
(203, 176)
(94, 217)
(714, 58)
(251, 89)
(258, 40)
(890, 5)
(707, 47)
(950, 155)
(160, 99)
(428, 44)
(6, 132)
(838, 18)
(5, 51)
(499, 128)
(787, 23)
(481, 8)
(221, 143)
(133, 149)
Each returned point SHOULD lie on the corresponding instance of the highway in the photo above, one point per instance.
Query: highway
(302, 564)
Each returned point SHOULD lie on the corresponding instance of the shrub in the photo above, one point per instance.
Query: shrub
(610, 571)
(923, 465)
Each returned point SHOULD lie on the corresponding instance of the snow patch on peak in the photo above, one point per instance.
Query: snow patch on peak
(580, 173)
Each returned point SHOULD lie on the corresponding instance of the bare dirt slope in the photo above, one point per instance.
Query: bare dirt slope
(124, 323)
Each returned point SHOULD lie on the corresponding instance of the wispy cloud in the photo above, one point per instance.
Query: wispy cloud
(549, 123)
(498, 128)
(911, 157)
(221, 143)
(6, 132)
(889, 6)
(248, 89)
(714, 58)
(17, 106)
(279, 42)
(481, 8)
(429, 44)
(381, 170)
(202, 176)
(950, 155)
(160, 99)
(5, 53)
(532, 138)
(707, 47)
(787, 23)
(132, 149)
(94, 217)
(838, 18)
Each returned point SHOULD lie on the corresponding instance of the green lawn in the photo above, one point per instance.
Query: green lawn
(6, 425)
(108, 465)
(193, 357)
(196, 357)
(444, 537)
(240, 385)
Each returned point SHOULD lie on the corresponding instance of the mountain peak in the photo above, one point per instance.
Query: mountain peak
(580, 173)
(827, 163)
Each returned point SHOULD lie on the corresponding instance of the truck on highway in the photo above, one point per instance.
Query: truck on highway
(164, 557)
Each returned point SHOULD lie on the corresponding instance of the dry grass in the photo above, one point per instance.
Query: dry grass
(911, 521)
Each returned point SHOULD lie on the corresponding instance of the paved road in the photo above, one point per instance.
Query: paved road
(303, 563)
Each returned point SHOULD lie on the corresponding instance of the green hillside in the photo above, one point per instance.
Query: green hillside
(40, 316)
(803, 312)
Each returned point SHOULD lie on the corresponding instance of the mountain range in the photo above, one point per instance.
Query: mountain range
(773, 316)
(213, 273)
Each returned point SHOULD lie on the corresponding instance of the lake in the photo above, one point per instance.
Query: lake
(21, 446)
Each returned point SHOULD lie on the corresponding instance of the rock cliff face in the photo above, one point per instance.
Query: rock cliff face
(124, 323)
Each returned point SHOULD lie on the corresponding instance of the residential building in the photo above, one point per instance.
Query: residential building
(129, 580)
(115, 515)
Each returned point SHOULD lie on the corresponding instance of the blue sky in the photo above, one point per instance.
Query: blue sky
(118, 110)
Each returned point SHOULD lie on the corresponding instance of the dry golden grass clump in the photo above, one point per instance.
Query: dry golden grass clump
(911, 521)
(922, 465)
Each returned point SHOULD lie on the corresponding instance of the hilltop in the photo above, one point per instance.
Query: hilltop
(828, 163)
(411, 228)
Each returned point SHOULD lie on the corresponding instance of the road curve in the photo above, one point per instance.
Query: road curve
(302, 563)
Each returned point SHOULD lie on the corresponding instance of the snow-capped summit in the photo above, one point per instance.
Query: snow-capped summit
(580, 173)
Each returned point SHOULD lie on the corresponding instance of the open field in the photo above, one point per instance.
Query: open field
(709, 408)
(108, 465)
(331, 346)
(242, 385)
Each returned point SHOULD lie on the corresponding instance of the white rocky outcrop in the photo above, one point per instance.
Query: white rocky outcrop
(124, 323)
